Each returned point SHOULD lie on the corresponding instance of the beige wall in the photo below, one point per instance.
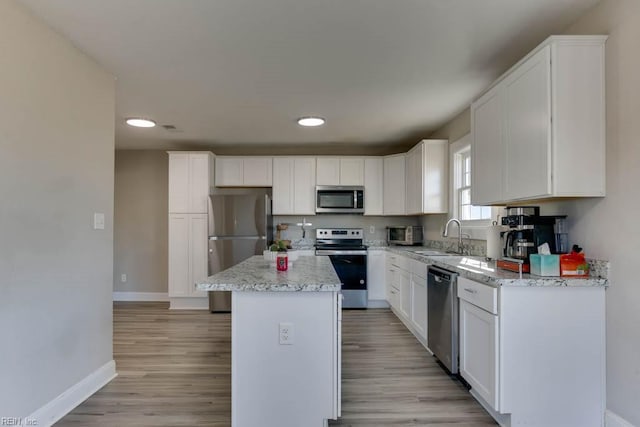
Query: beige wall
(607, 228)
(140, 216)
(56, 170)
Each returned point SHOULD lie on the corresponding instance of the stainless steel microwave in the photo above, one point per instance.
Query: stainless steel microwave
(405, 235)
(339, 199)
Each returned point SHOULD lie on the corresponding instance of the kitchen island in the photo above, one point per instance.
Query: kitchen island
(285, 341)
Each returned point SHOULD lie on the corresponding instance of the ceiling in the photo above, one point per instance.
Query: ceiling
(238, 73)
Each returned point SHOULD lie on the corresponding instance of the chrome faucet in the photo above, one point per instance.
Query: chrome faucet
(302, 225)
(445, 233)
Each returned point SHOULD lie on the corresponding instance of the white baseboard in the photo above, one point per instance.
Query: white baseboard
(611, 419)
(53, 411)
(189, 303)
(140, 296)
(377, 303)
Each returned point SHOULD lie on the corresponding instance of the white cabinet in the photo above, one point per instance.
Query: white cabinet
(515, 335)
(190, 177)
(419, 298)
(539, 132)
(187, 254)
(376, 272)
(373, 186)
(294, 185)
(243, 171)
(340, 171)
(405, 294)
(427, 181)
(394, 185)
(478, 351)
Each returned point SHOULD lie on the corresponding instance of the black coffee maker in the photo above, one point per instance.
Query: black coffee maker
(527, 231)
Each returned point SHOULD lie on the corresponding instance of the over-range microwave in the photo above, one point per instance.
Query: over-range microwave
(405, 235)
(339, 199)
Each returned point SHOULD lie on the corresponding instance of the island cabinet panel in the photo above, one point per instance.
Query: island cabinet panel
(292, 385)
(539, 132)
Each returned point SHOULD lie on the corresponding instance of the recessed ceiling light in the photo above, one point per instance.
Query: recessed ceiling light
(310, 121)
(140, 123)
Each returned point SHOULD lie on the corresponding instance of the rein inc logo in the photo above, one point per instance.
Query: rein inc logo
(18, 421)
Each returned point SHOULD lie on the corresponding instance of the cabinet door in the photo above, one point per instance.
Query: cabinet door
(394, 185)
(198, 182)
(304, 186)
(393, 287)
(198, 253)
(178, 255)
(373, 183)
(487, 150)
(376, 275)
(479, 351)
(419, 305)
(282, 196)
(328, 171)
(178, 183)
(405, 294)
(413, 185)
(527, 97)
(257, 172)
(351, 171)
(229, 171)
(435, 176)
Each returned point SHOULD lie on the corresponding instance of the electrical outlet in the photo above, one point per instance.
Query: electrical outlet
(286, 333)
(123, 278)
(372, 229)
(98, 221)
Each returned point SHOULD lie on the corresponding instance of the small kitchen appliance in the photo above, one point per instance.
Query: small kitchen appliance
(334, 199)
(345, 248)
(405, 235)
(527, 230)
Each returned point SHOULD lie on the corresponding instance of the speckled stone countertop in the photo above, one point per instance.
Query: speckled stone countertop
(306, 274)
(481, 270)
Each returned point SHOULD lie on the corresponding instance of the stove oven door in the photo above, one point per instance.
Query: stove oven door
(352, 271)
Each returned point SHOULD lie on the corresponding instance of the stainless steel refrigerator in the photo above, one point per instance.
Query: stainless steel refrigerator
(240, 226)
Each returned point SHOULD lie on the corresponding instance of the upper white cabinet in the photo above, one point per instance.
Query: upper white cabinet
(373, 186)
(540, 131)
(294, 182)
(427, 178)
(190, 177)
(339, 171)
(394, 185)
(243, 171)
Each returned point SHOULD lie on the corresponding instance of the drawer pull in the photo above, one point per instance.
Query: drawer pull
(471, 291)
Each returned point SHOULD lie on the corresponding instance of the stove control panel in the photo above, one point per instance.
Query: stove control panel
(339, 233)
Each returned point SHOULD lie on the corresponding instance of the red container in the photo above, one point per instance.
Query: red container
(573, 265)
(282, 261)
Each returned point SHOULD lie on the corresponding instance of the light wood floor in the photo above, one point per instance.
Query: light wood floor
(174, 369)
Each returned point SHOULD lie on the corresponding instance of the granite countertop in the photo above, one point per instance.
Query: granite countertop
(306, 274)
(481, 270)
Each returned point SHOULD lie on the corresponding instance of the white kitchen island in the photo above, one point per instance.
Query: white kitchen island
(285, 342)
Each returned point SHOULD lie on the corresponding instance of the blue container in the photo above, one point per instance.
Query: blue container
(545, 265)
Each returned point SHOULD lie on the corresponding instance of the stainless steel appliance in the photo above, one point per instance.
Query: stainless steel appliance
(339, 199)
(240, 226)
(345, 248)
(407, 235)
(442, 316)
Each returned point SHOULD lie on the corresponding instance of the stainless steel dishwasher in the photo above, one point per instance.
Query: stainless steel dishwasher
(442, 305)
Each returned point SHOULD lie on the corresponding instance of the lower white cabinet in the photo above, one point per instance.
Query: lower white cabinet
(419, 305)
(405, 294)
(478, 351)
(188, 254)
(376, 273)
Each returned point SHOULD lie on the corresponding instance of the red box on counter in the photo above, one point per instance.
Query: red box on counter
(573, 265)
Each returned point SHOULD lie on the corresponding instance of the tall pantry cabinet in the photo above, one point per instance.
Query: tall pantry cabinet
(190, 178)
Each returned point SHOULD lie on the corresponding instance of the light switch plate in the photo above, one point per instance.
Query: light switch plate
(98, 221)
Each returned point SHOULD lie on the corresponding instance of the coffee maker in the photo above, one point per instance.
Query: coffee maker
(527, 231)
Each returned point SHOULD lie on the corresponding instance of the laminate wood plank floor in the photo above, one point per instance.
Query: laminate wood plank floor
(174, 369)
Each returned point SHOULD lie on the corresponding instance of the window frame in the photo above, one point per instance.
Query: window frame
(476, 228)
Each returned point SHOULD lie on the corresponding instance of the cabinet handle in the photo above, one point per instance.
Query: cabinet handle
(471, 291)
(392, 270)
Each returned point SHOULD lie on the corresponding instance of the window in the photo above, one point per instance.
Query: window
(465, 211)
(474, 219)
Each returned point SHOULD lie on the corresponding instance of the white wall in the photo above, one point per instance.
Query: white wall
(56, 170)
(140, 217)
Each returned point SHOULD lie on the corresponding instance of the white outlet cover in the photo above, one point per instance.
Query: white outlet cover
(98, 221)
(286, 334)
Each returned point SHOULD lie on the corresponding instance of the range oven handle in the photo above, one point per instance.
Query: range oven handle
(339, 252)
